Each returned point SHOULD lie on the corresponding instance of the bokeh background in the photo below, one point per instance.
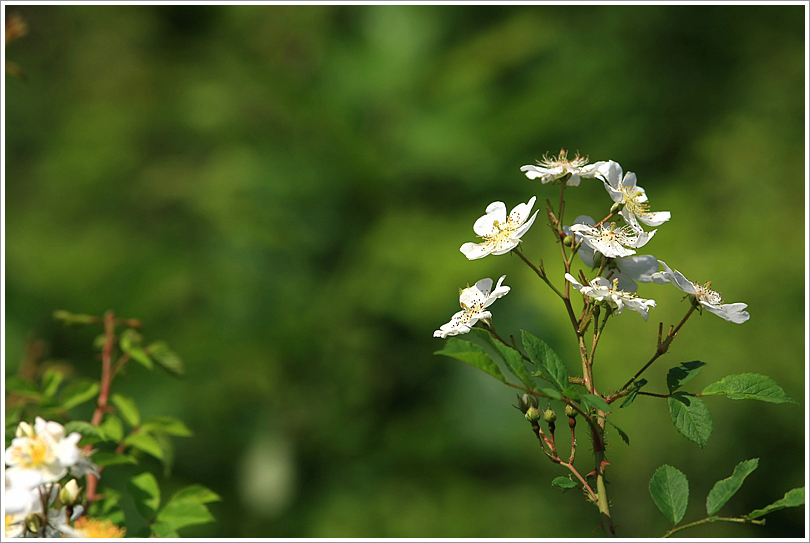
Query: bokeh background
(280, 192)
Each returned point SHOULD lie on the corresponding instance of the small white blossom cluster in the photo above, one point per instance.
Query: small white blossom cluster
(501, 233)
(38, 458)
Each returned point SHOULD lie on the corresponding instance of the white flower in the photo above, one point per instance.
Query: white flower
(602, 290)
(706, 297)
(627, 269)
(501, 234)
(474, 300)
(554, 168)
(623, 190)
(42, 454)
(611, 241)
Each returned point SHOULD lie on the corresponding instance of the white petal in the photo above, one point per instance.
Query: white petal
(521, 211)
(615, 194)
(656, 218)
(474, 251)
(626, 282)
(630, 181)
(731, 312)
(643, 238)
(484, 226)
(484, 286)
(501, 247)
(639, 268)
(499, 292)
(609, 172)
(573, 181)
(525, 227)
(586, 253)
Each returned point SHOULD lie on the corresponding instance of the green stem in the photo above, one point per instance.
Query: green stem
(713, 519)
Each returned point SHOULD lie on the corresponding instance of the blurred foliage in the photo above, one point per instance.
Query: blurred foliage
(281, 192)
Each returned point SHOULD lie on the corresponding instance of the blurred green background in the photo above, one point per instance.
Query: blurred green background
(280, 193)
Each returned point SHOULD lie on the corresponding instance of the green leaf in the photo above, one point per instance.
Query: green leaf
(630, 398)
(691, 417)
(546, 360)
(113, 428)
(622, 434)
(22, 387)
(51, 381)
(131, 344)
(164, 531)
(793, 498)
(165, 425)
(595, 402)
(196, 493)
(683, 373)
(564, 482)
(126, 406)
(145, 493)
(472, 354)
(74, 318)
(104, 458)
(725, 489)
(749, 386)
(166, 358)
(669, 489)
(78, 392)
(166, 452)
(177, 514)
(552, 393)
(513, 359)
(90, 434)
(571, 393)
(146, 443)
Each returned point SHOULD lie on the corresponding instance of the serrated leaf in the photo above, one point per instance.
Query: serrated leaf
(546, 361)
(723, 490)
(113, 428)
(104, 458)
(595, 402)
(126, 406)
(630, 398)
(472, 354)
(564, 482)
(669, 489)
(166, 358)
(22, 387)
(145, 493)
(676, 377)
(78, 392)
(512, 358)
(51, 381)
(178, 514)
(749, 386)
(691, 417)
(196, 493)
(792, 498)
(622, 433)
(146, 443)
(165, 425)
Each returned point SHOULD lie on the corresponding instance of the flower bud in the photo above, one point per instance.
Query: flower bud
(69, 494)
(570, 412)
(32, 523)
(24, 430)
(549, 415)
(532, 414)
(568, 241)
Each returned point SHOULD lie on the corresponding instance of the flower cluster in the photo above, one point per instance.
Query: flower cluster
(610, 247)
(35, 503)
